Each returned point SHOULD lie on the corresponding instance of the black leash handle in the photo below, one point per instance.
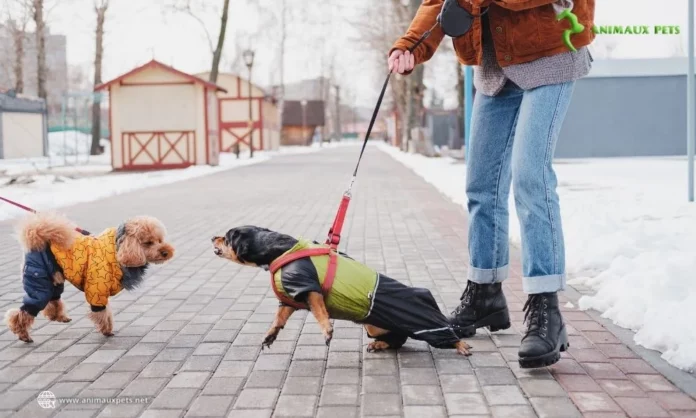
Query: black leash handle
(423, 37)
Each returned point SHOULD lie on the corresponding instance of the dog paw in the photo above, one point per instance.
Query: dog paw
(64, 319)
(26, 339)
(463, 348)
(108, 334)
(328, 335)
(270, 339)
(376, 346)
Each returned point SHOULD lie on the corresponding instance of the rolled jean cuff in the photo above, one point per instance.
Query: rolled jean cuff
(488, 276)
(544, 284)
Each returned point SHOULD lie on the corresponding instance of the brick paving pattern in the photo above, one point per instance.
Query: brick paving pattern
(190, 338)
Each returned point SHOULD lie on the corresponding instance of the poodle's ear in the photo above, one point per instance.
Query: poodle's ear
(130, 253)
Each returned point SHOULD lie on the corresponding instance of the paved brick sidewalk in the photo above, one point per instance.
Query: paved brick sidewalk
(190, 338)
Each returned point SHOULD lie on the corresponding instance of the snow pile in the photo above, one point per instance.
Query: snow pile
(67, 143)
(630, 236)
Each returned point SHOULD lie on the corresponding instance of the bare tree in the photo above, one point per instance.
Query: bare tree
(17, 17)
(283, 39)
(17, 29)
(37, 9)
(220, 42)
(391, 20)
(100, 8)
(185, 7)
(199, 10)
(78, 78)
(415, 86)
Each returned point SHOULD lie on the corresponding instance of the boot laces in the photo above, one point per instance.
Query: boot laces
(467, 297)
(536, 315)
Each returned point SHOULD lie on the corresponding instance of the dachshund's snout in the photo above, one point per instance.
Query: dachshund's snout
(217, 251)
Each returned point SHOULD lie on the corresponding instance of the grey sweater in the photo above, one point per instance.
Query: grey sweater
(489, 77)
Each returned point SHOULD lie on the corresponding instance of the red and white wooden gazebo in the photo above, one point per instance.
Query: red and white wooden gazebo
(233, 113)
(162, 118)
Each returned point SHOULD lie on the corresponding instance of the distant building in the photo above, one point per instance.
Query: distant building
(316, 89)
(301, 122)
(23, 127)
(56, 61)
(162, 118)
(627, 108)
(233, 115)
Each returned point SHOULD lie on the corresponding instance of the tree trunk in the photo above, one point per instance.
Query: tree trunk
(100, 9)
(217, 54)
(281, 93)
(42, 70)
(18, 68)
(415, 87)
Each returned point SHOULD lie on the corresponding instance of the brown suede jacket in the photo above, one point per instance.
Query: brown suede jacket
(523, 31)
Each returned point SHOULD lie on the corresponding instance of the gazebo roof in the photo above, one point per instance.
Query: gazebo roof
(157, 64)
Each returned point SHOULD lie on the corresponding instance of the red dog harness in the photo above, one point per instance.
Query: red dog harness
(330, 250)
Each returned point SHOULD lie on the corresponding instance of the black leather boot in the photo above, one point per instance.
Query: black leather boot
(482, 305)
(546, 334)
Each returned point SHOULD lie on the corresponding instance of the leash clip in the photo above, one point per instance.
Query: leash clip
(349, 190)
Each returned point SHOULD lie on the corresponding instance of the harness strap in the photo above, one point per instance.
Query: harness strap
(310, 252)
(335, 232)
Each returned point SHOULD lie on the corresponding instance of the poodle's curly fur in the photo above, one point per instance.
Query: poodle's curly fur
(55, 311)
(36, 231)
(104, 321)
(139, 241)
(19, 322)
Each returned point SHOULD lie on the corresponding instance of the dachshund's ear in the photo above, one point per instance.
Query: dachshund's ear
(241, 250)
(239, 242)
(231, 236)
(130, 253)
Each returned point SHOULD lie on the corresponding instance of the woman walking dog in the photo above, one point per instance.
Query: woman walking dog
(524, 78)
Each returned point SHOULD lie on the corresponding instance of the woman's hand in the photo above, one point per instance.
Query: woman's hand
(401, 62)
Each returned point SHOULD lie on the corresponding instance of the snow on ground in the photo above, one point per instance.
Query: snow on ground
(71, 143)
(48, 193)
(630, 236)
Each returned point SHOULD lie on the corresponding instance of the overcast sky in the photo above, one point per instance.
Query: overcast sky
(138, 30)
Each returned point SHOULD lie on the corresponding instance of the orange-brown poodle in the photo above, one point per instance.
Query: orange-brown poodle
(100, 266)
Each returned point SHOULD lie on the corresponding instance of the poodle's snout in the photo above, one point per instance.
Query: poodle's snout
(164, 253)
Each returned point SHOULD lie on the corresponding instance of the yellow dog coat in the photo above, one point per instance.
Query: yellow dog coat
(90, 265)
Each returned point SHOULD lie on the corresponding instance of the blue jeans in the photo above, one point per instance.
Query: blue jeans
(513, 138)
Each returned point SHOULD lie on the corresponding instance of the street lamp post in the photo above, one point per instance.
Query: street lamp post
(304, 117)
(249, 61)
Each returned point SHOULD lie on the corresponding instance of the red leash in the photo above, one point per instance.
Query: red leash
(28, 209)
(334, 237)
